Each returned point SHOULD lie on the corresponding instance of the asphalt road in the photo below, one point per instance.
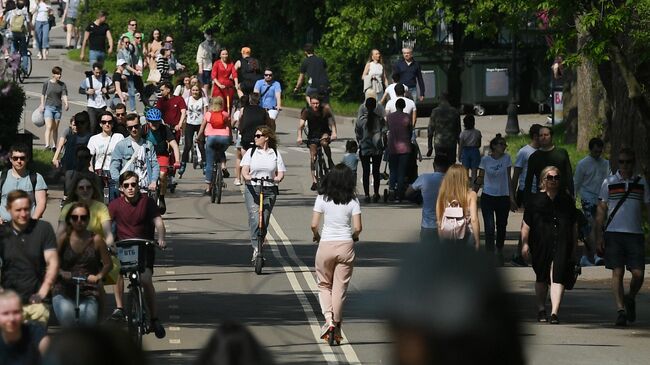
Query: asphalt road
(205, 277)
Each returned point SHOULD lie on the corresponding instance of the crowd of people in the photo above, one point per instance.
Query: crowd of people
(111, 147)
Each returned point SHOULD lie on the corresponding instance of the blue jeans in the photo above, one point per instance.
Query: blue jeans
(19, 44)
(252, 205)
(96, 56)
(491, 206)
(42, 35)
(397, 164)
(52, 112)
(131, 92)
(215, 147)
(64, 310)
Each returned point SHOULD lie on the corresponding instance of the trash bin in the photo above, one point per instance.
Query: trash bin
(486, 80)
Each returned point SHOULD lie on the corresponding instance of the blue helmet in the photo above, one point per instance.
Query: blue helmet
(153, 114)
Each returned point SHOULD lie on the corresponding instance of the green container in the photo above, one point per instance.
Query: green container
(486, 80)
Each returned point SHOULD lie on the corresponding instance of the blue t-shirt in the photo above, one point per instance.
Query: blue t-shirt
(268, 101)
(23, 183)
(351, 160)
(429, 185)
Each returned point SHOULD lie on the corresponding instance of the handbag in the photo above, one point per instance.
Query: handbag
(111, 277)
(51, 20)
(453, 225)
(154, 76)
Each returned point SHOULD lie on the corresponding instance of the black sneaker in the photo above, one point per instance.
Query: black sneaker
(366, 200)
(429, 151)
(375, 198)
(630, 308)
(541, 316)
(162, 207)
(225, 173)
(621, 320)
(519, 261)
(117, 315)
(158, 328)
(314, 186)
(554, 319)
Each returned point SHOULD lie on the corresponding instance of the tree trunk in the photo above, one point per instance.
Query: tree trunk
(570, 104)
(592, 104)
(454, 80)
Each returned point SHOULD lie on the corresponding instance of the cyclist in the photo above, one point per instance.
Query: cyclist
(270, 93)
(262, 160)
(162, 138)
(321, 129)
(19, 26)
(216, 127)
(135, 216)
(135, 153)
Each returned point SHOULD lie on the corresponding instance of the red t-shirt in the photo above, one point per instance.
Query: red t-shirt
(171, 109)
(134, 220)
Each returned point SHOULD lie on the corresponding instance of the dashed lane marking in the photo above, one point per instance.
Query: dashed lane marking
(175, 341)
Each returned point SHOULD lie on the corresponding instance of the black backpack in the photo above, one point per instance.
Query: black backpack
(32, 178)
(250, 67)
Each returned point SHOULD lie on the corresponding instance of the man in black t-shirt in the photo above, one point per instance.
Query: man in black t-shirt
(321, 130)
(20, 342)
(96, 36)
(30, 262)
(162, 138)
(316, 69)
(252, 117)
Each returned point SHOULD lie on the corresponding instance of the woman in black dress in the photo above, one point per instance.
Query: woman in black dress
(549, 234)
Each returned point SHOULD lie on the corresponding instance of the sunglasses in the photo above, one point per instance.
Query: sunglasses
(552, 177)
(79, 218)
(133, 24)
(129, 185)
(623, 162)
(268, 75)
(16, 158)
(259, 135)
(130, 127)
(138, 37)
(84, 187)
(120, 114)
(104, 121)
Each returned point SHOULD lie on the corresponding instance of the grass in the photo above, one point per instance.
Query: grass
(42, 162)
(109, 62)
(343, 108)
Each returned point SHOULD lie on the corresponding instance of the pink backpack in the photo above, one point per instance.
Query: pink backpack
(453, 224)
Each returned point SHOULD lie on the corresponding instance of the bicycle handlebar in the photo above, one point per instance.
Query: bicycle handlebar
(79, 279)
(131, 241)
(262, 179)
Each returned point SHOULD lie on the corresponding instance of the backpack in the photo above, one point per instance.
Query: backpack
(32, 178)
(250, 68)
(217, 120)
(17, 23)
(453, 224)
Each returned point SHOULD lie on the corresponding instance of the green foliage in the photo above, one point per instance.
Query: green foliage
(12, 104)
(41, 162)
(559, 134)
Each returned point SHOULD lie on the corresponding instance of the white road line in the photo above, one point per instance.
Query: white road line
(172, 289)
(299, 149)
(170, 272)
(174, 329)
(325, 349)
(38, 95)
(175, 341)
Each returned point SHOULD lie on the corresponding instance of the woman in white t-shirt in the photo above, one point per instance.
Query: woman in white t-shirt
(262, 161)
(42, 28)
(338, 206)
(196, 108)
(497, 198)
(101, 147)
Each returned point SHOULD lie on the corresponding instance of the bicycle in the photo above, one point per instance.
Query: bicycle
(78, 280)
(320, 165)
(131, 254)
(20, 73)
(259, 256)
(216, 183)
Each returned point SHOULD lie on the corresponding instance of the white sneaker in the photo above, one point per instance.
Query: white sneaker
(599, 261)
(254, 254)
(324, 330)
(584, 261)
(237, 182)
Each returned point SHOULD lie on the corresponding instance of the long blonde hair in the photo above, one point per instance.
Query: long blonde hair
(455, 186)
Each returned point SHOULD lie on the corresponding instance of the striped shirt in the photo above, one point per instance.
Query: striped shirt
(629, 216)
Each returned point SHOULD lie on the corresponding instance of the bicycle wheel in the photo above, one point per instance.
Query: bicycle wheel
(28, 69)
(213, 182)
(219, 185)
(135, 316)
(21, 75)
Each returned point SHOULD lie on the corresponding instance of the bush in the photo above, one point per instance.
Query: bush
(12, 104)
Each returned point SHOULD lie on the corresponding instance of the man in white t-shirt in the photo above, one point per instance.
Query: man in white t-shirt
(101, 147)
(96, 86)
(622, 197)
(389, 93)
(204, 55)
(518, 180)
(410, 104)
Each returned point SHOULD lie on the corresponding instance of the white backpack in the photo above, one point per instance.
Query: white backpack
(453, 224)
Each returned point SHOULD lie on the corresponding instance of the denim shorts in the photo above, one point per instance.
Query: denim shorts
(470, 157)
(52, 112)
(206, 77)
(624, 250)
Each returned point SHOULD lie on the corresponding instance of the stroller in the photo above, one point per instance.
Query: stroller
(411, 172)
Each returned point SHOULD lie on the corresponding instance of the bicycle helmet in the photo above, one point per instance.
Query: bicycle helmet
(153, 115)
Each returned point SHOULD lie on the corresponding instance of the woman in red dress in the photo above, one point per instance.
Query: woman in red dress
(224, 78)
